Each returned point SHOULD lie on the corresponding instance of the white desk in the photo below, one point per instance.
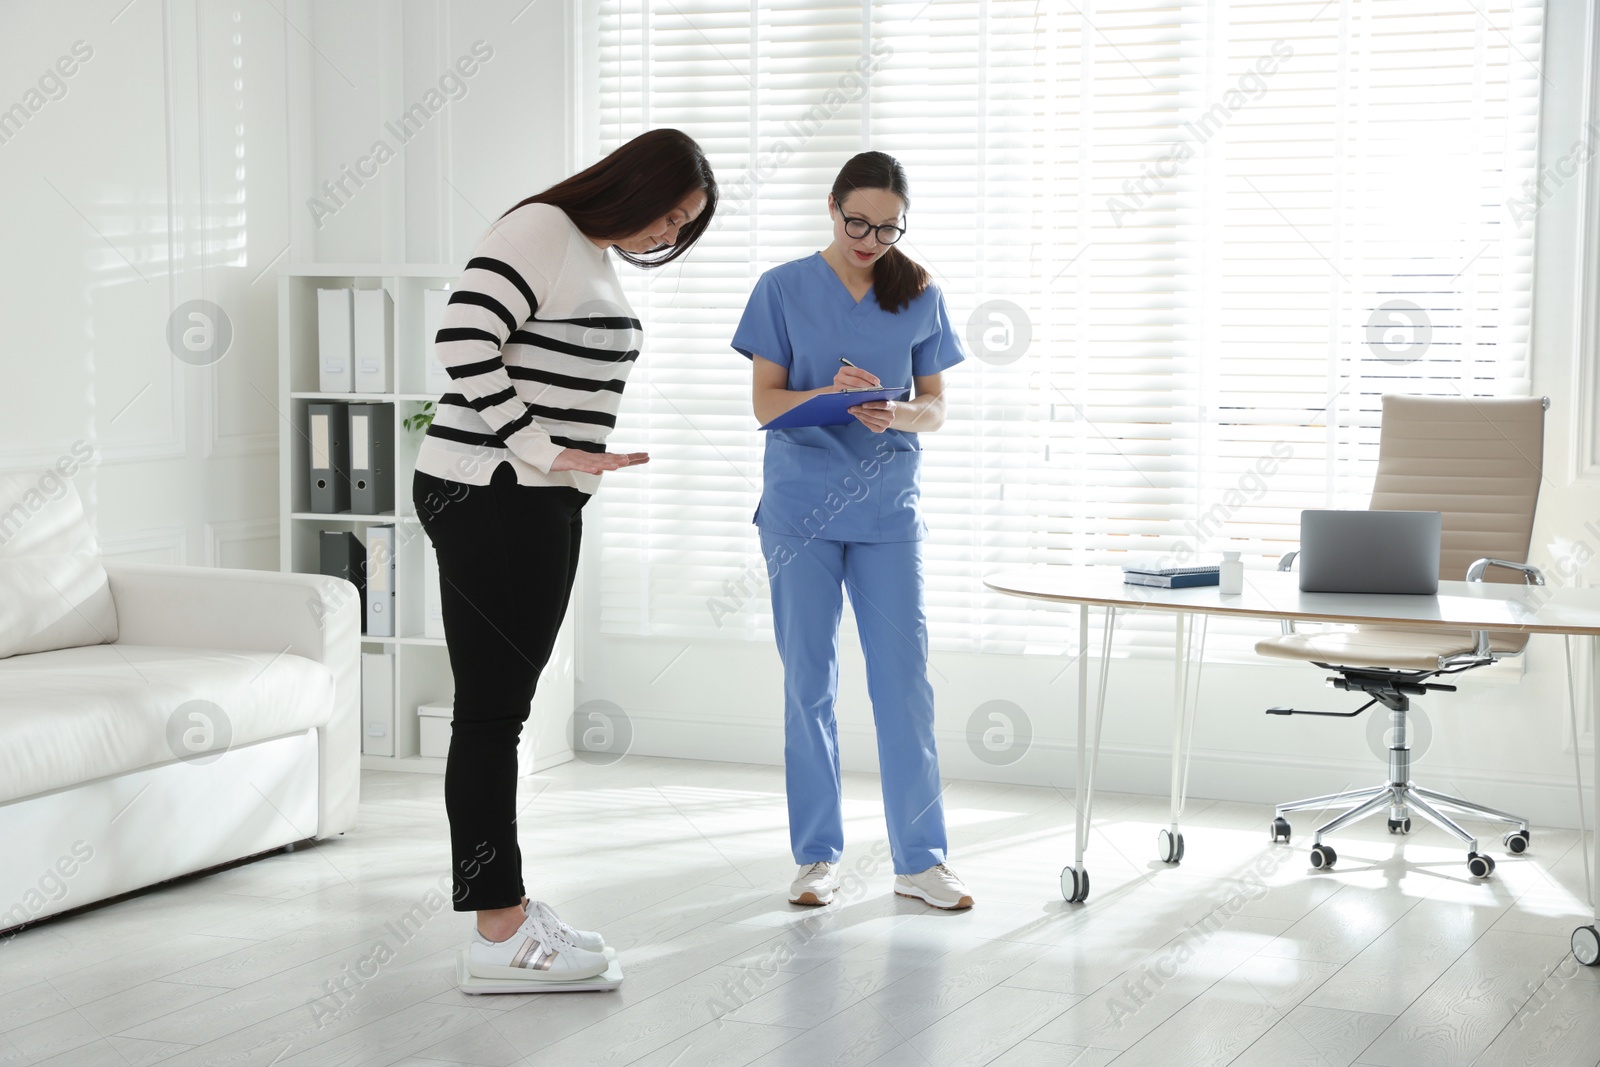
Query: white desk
(1276, 595)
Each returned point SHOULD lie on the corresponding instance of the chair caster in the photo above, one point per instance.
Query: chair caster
(1169, 846)
(1074, 885)
(1400, 826)
(1481, 866)
(1323, 857)
(1517, 840)
(1586, 945)
(1280, 830)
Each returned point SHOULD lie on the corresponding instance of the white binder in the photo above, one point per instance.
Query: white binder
(377, 704)
(334, 341)
(433, 303)
(380, 581)
(373, 339)
(432, 609)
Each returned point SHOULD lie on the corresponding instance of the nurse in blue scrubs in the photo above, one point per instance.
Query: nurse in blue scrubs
(840, 512)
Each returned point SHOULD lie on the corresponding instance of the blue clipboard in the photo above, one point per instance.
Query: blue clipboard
(830, 409)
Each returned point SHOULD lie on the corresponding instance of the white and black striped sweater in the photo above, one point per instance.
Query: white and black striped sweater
(538, 339)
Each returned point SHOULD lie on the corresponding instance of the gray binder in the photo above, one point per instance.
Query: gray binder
(328, 428)
(371, 458)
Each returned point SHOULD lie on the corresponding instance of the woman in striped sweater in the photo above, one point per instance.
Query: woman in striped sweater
(538, 339)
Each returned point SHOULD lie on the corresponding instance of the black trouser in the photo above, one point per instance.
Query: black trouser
(508, 554)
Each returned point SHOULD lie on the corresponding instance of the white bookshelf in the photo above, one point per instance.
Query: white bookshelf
(421, 664)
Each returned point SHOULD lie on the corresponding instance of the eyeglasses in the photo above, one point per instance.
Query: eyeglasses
(856, 229)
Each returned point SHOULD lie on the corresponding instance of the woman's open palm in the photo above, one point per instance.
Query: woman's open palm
(576, 459)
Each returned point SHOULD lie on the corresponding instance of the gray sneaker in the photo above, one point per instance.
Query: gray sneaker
(938, 885)
(815, 884)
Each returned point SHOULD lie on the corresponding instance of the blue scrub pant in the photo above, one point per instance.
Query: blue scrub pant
(885, 584)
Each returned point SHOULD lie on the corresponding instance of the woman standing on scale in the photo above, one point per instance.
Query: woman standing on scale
(538, 339)
(840, 509)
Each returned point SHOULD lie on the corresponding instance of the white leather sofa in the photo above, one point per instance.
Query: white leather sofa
(157, 720)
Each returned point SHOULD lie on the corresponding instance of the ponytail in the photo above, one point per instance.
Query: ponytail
(897, 280)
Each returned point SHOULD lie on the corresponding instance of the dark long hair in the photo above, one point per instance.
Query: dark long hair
(631, 188)
(897, 279)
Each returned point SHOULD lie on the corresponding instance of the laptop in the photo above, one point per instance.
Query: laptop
(1370, 551)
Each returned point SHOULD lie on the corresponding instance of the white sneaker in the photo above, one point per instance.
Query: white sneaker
(938, 885)
(538, 952)
(585, 939)
(815, 884)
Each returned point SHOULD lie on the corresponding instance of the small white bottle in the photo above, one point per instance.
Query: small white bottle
(1230, 576)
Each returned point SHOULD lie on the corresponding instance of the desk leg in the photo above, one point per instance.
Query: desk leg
(1185, 692)
(1586, 939)
(1075, 879)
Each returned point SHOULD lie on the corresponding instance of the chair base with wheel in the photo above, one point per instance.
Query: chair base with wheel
(1399, 797)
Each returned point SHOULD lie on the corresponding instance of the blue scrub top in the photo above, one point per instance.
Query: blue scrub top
(843, 483)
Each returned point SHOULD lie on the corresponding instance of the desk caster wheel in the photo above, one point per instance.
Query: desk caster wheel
(1517, 841)
(1400, 826)
(1481, 866)
(1280, 830)
(1323, 857)
(1586, 945)
(1169, 846)
(1074, 885)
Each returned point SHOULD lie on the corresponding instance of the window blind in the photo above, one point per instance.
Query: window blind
(1192, 244)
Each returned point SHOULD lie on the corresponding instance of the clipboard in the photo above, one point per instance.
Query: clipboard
(830, 409)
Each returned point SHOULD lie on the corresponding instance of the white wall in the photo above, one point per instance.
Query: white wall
(136, 191)
(175, 163)
(154, 175)
(498, 137)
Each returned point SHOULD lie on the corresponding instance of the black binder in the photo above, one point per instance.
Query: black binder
(344, 556)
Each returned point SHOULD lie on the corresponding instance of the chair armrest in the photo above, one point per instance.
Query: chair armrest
(1481, 651)
(1530, 574)
(1286, 563)
(308, 615)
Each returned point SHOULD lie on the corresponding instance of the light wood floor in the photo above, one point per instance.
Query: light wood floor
(1240, 955)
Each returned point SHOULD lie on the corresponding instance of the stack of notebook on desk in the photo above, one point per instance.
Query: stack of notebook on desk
(1152, 572)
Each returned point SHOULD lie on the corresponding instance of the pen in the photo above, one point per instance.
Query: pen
(847, 363)
(852, 366)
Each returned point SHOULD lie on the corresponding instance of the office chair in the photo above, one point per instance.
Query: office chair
(1478, 462)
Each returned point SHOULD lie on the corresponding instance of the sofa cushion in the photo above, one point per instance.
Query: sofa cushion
(76, 714)
(53, 590)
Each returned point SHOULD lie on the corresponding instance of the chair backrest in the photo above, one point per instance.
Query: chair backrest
(1477, 460)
